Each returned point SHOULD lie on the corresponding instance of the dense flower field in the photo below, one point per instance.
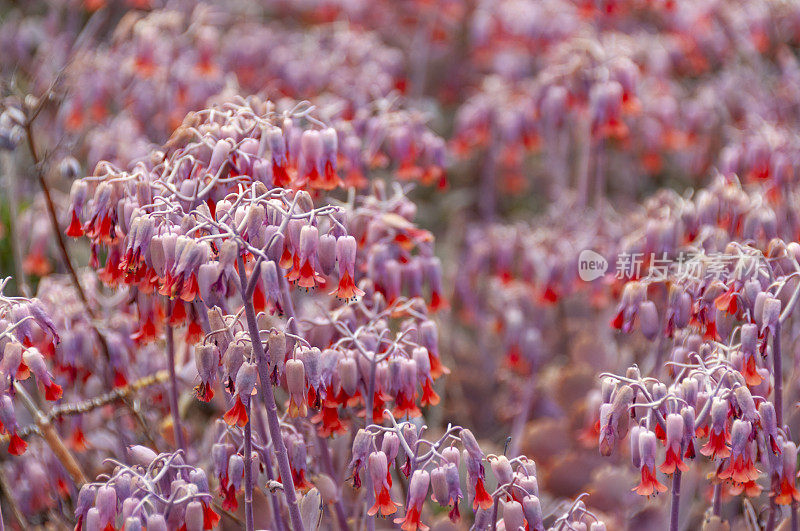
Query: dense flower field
(359, 264)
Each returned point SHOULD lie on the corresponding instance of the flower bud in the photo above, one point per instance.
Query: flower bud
(746, 404)
(309, 240)
(296, 384)
(769, 423)
(758, 306)
(740, 433)
(233, 359)
(719, 413)
(219, 457)
(439, 486)
(133, 523)
(311, 359)
(206, 359)
(636, 455)
(470, 444)
(377, 468)
(513, 516)
(193, 517)
(276, 347)
(418, 488)
(674, 430)
(92, 521)
(35, 362)
(647, 448)
(789, 455)
(346, 255)
(771, 313)
(648, 319)
(326, 253)
(749, 334)
(327, 488)
(532, 509)
(246, 379)
(141, 455)
(221, 151)
(12, 357)
(207, 276)
(199, 479)
(502, 470)
(348, 375)
(156, 522)
(106, 503)
(235, 471)
(311, 509)
(390, 446)
(452, 455)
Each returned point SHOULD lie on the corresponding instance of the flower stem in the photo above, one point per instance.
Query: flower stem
(777, 364)
(177, 428)
(276, 506)
(773, 509)
(676, 500)
(248, 469)
(268, 396)
(327, 465)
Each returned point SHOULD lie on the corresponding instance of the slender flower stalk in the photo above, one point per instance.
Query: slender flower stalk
(249, 480)
(777, 361)
(177, 426)
(675, 507)
(267, 395)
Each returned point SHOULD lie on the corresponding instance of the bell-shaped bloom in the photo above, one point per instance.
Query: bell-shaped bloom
(784, 490)
(417, 492)
(296, 384)
(361, 446)
(649, 483)
(207, 361)
(346, 258)
(741, 468)
(8, 423)
(673, 459)
(717, 436)
(532, 509)
(377, 468)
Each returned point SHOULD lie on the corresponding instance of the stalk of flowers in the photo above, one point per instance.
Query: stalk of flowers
(210, 223)
(126, 231)
(353, 370)
(365, 367)
(28, 336)
(152, 491)
(730, 391)
(435, 465)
